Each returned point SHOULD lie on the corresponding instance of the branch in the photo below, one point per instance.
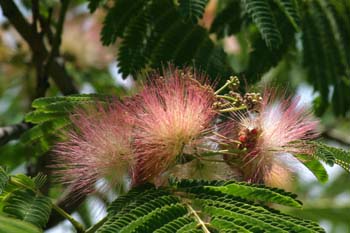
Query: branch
(10, 132)
(56, 41)
(56, 70)
(41, 76)
(59, 29)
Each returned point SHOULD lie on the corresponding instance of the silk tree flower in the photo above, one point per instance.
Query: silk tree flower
(263, 137)
(172, 116)
(99, 147)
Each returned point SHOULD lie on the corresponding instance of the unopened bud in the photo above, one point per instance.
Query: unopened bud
(234, 83)
(252, 100)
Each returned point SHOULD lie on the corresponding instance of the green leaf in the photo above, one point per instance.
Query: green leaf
(262, 58)
(188, 204)
(11, 225)
(332, 155)
(192, 10)
(314, 166)
(44, 131)
(39, 180)
(23, 180)
(289, 8)
(325, 39)
(132, 54)
(154, 33)
(118, 18)
(3, 179)
(43, 102)
(29, 207)
(256, 193)
(261, 13)
(225, 222)
(176, 225)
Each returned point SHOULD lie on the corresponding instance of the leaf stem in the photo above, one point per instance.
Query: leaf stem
(199, 220)
(75, 223)
(94, 227)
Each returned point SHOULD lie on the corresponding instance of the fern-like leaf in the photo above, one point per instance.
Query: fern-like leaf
(39, 180)
(256, 193)
(51, 115)
(290, 9)
(192, 10)
(157, 34)
(44, 102)
(175, 225)
(262, 58)
(118, 18)
(315, 166)
(3, 179)
(184, 206)
(29, 207)
(325, 56)
(132, 55)
(332, 155)
(11, 225)
(261, 13)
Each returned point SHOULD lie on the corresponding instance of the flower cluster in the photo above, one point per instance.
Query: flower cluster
(274, 129)
(178, 124)
(99, 146)
(171, 117)
(141, 137)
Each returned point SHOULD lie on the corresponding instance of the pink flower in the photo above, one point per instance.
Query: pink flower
(171, 115)
(279, 127)
(99, 147)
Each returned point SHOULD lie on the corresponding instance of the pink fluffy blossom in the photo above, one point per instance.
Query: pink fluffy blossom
(279, 127)
(99, 147)
(171, 116)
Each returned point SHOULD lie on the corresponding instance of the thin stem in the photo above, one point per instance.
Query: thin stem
(75, 223)
(95, 227)
(227, 152)
(232, 109)
(228, 82)
(212, 160)
(223, 137)
(226, 97)
(199, 220)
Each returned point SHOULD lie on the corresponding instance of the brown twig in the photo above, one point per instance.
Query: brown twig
(56, 70)
(39, 58)
(56, 40)
(34, 37)
(10, 132)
